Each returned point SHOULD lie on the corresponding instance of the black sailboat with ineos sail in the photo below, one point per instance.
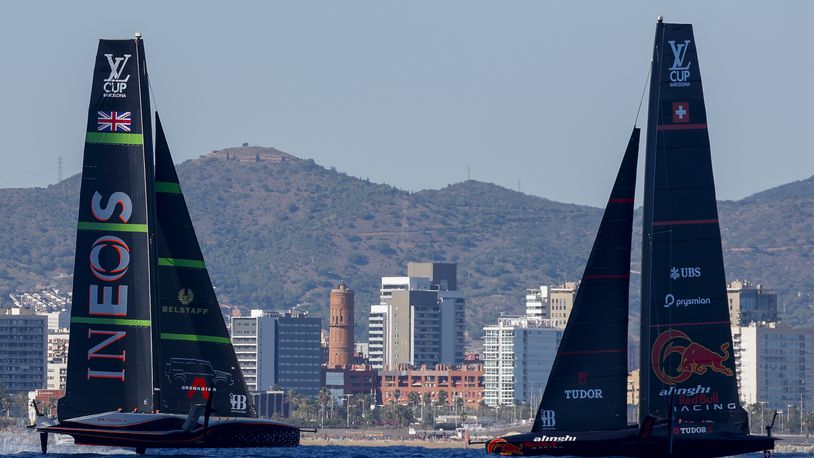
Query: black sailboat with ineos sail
(689, 403)
(150, 362)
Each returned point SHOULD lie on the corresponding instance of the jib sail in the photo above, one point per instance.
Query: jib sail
(109, 365)
(587, 386)
(197, 360)
(687, 357)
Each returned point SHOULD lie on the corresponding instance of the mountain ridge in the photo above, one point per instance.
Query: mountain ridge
(278, 231)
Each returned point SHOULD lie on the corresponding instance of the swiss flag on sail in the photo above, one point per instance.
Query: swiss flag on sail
(681, 112)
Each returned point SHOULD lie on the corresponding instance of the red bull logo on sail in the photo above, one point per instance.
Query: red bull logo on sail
(694, 358)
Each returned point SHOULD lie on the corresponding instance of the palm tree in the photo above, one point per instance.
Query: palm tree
(323, 397)
(413, 399)
(442, 397)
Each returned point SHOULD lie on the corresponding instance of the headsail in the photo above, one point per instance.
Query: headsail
(109, 363)
(587, 386)
(197, 360)
(687, 353)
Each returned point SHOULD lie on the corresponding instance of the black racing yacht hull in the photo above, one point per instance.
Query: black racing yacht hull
(628, 442)
(142, 431)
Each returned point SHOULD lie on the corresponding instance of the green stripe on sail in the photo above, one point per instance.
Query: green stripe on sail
(116, 227)
(113, 138)
(194, 338)
(113, 321)
(168, 187)
(175, 262)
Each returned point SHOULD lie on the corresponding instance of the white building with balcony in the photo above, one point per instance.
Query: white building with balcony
(518, 355)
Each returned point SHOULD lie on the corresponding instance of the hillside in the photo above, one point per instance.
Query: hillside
(279, 231)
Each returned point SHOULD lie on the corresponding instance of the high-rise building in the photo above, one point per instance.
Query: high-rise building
(562, 301)
(420, 319)
(537, 305)
(517, 359)
(23, 350)
(57, 360)
(340, 341)
(750, 304)
(279, 349)
(775, 364)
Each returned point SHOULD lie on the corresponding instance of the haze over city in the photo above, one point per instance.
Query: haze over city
(536, 96)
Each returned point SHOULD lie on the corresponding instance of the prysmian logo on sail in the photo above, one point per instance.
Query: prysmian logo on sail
(671, 301)
(680, 71)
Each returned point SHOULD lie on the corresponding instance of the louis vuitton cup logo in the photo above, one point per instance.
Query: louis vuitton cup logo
(680, 70)
(115, 85)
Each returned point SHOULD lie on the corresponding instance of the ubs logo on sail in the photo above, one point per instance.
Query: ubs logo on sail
(680, 70)
(115, 85)
(685, 272)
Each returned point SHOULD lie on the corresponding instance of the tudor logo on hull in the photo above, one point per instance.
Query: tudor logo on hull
(680, 70)
(115, 85)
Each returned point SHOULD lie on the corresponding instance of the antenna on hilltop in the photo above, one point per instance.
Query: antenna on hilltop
(468, 172)
(59, 169)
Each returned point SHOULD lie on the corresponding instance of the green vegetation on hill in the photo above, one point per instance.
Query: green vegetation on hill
(278, 231)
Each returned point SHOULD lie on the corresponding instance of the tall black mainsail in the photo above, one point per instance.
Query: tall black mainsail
(589, 374)
(196, 359)
(110, 337)
(687, 357)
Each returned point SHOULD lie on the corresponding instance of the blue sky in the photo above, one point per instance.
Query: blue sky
(540, 94)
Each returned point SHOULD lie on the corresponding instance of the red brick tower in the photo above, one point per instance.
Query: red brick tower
(340, 341)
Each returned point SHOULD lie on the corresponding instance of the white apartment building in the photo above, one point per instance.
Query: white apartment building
(537, 302)
(57, 360)
(518, 355)
(775, 364)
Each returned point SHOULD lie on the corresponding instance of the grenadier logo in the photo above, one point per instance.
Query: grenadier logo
(680, 71)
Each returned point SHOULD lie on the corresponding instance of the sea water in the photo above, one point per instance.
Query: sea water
(26, 444)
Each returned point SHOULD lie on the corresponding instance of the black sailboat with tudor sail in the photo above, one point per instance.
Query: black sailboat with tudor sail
(689, 403)
(150, 361)
(583, 410)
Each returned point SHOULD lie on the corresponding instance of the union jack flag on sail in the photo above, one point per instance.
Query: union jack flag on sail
(114, 121)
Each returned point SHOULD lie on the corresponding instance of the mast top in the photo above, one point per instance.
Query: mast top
(138, 35)
(660, 19)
